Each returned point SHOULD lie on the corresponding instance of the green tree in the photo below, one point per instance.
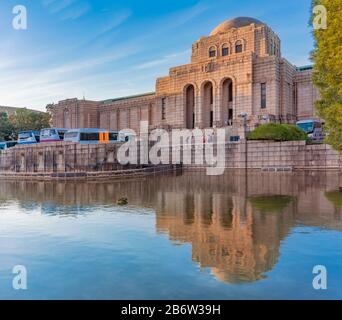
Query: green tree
(327, 76)
(6, 128)
(25, 119)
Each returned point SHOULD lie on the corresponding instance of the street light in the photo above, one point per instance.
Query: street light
(244, 115)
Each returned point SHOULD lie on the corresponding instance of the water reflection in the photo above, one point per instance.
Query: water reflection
(335, 197)
(235, 225)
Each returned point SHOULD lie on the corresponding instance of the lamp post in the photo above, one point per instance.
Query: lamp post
(243, 115)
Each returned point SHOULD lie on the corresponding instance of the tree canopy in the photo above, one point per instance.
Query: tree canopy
(327, 76)
(22, 120)
(6, 127)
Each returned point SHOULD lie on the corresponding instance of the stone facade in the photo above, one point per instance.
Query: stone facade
(237, 69)
(61, 157)
(74, 113)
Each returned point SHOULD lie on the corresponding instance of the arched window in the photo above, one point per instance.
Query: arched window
(225, 50)
(238, 46)
(212, 52)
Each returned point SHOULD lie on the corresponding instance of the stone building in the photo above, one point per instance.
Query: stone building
(237, 69)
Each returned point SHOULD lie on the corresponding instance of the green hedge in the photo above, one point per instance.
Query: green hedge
(335, 197)
(270, 204)
(278, 132)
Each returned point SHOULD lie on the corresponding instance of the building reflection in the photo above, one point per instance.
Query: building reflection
(235, 224)
(227, 235)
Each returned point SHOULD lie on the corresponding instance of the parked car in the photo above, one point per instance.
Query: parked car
(313, 128)
(52, 134)
(4, 145)
(29, 137)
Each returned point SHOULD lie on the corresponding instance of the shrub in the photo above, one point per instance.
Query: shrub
(278, 132)
(335, 197)
(270, 204)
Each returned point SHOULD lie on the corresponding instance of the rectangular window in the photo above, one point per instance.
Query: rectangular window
(85, 136)
(263, 96)
(113, 136)
(163, 115)
(71, 135)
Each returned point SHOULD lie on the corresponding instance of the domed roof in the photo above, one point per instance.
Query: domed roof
(235, 23)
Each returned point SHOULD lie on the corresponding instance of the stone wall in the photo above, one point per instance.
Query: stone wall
(276, 156)
(74, 158)
(306, 95)
(59, 157)
(119, 114)
(74, 113)
(292, 155)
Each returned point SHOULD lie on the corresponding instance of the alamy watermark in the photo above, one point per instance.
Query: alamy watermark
(319, 17)
(19, 280)
(20, 19)
(320, 281)
(198, 147)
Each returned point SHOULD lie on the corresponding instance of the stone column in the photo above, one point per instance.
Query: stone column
(198, 109)
(217, 107)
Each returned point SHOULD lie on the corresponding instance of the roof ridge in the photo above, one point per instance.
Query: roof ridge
(127, 97)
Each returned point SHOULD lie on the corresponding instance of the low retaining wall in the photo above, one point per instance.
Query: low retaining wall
(60, 157)
(272, 156)
(295, 155)
(95, 175)
(70, 160)
(60, 160)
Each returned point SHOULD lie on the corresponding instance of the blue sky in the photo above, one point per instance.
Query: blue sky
(103, 49)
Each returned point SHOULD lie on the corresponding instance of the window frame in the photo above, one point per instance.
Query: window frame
(225, 46)
(163, 108)
(239, 44)
(263, 95)
(212, 49)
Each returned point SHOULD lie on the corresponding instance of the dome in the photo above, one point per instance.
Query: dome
(234, 23)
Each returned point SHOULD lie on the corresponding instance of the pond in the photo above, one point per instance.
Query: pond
(186, 236)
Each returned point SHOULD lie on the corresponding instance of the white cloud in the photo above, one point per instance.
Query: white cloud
(75, 13)
(67, 9)
(58, 6)
(34, 81)
(168, 59)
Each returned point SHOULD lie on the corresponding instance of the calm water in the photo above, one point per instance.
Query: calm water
(181, 237)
